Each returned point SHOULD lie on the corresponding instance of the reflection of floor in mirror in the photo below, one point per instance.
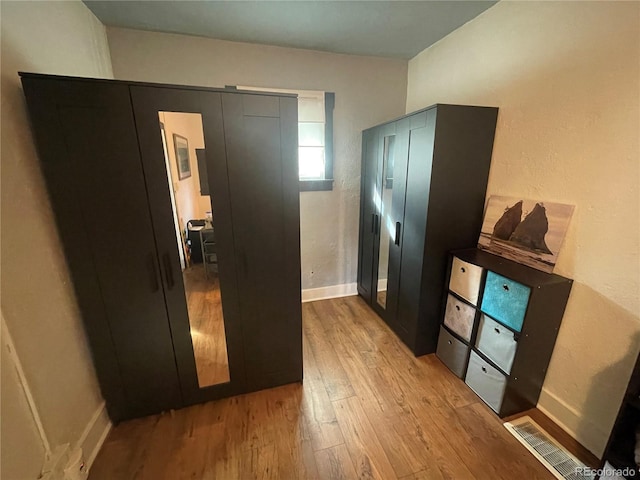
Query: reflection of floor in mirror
(382, 297)
(207, 325)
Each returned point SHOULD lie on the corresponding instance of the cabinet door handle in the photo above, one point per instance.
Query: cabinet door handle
(506, 287)
(373, 223)
(484, 369)
(168, 271)
(398, 229)
(153, 274)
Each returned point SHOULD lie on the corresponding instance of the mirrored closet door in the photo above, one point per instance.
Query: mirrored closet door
(182, 149)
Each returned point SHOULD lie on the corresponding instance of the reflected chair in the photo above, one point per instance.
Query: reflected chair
(193, 240)
(209, 252)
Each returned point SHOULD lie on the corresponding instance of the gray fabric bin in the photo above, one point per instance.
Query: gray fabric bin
(452, 352)
(488, 382)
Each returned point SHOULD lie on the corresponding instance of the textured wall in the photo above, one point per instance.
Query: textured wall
(368, 91)
(38, 302)
(566, 76)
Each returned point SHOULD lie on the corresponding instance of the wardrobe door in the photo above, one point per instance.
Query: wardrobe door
(261, 141)
(418, 185)
(203, 302)
(396, 219)
(88, 148)
(388, 226)
(368, 215)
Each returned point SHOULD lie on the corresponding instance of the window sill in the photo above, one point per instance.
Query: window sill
(316, 185)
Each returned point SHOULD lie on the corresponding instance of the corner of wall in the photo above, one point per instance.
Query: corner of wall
(54, 392)
(565, 76)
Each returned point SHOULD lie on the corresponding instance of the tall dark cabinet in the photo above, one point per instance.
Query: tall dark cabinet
(102, 158)
(423, 185)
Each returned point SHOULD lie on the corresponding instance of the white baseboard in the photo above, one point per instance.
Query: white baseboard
(7, 342)
(94, 434)
(98, 445)
(332, 291)
(584, 430)
(55, 461)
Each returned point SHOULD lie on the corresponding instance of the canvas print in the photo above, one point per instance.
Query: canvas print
(182, 156)
(526, 231)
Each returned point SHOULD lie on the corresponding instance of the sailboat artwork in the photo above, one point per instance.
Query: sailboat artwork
(526, 231)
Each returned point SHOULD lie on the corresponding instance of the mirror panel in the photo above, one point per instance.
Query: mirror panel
(387, 226)
(185, 154)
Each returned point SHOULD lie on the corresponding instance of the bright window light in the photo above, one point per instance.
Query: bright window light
(311, 162)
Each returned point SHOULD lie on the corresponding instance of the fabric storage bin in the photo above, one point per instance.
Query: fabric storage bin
(465, 280)
(496, 342)
(452, 352)
(505, 300)
(486, 381)
(459, 317)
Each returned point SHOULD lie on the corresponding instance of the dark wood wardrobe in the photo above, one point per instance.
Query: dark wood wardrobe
(102, 158)
(423, 185)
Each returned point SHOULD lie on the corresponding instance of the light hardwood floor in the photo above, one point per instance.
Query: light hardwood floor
(207, 325)
(367, 409)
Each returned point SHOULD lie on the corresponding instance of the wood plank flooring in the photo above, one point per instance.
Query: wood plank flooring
(368, 409)
(207, 325)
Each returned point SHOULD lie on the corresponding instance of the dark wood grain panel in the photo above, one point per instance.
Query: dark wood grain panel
(261, 188)
(367, 215)
(89, 152)
(400, 172)
(421, 141)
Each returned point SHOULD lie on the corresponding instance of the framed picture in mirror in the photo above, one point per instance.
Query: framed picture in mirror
(181, 146)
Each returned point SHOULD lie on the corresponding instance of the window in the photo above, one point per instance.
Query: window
(315, 137)
(315, 140)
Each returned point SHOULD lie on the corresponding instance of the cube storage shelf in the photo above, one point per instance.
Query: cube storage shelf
(500, 325)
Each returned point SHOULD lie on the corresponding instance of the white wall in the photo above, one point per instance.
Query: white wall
(566, 76)
(38, 302)
(368, 91)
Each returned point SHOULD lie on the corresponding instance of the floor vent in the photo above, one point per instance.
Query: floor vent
(548, 451)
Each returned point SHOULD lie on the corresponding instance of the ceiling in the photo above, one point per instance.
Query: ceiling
(399, 29)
